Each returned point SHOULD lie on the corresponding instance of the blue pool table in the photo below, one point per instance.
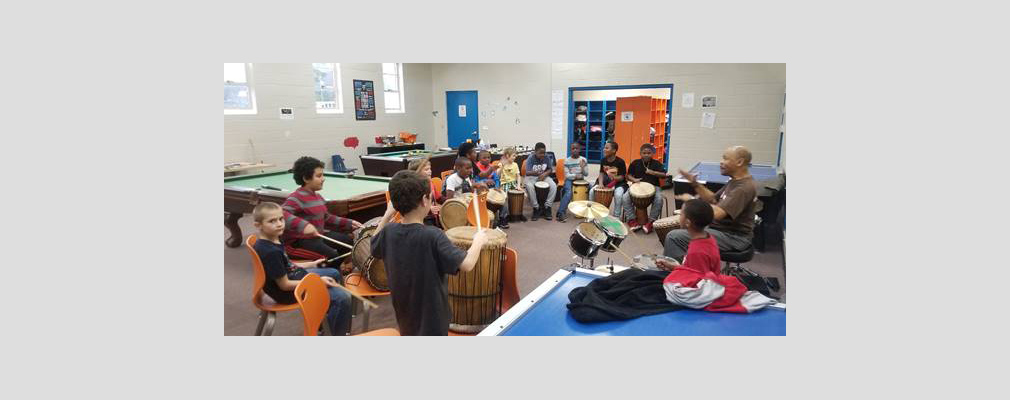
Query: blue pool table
(544, 313)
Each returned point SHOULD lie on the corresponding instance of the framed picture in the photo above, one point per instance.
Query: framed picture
(364, 100)
(708, 102)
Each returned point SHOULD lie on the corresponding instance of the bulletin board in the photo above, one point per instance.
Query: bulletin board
(364, 100)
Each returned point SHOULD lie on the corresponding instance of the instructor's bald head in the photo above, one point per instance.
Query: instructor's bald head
(741, 153)
(734, 160)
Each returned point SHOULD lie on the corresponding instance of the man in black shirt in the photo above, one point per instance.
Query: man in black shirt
(612, 172)
(645, 169)
(418, 257)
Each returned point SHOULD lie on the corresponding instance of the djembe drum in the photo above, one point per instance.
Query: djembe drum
(495, 200)
(453, 212)
(580, 190)
(475, 297)
(373, 269)
(542, 190)
(603, 195)
(515, 199)
(642, 194)
(664, 226)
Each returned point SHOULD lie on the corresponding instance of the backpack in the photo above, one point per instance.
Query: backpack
(753, 281)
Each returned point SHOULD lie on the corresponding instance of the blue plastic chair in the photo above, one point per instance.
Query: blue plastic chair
(338, 165)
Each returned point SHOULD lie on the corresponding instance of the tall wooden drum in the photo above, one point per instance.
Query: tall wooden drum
(515, 200)
(542, 190)
(603, 195)
(580, 190)
(475, 297)
(373, 269)
(642, 194)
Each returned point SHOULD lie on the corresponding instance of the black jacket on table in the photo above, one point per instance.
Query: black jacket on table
(628, 294)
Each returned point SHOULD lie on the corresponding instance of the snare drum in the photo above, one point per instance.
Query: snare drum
(642, 194)
(475, 296)
(615, 230)
(580, 190)
(587, 240)
(371, 268)
(664, 226)
(603, 195)
(542, 190)
(516, 197)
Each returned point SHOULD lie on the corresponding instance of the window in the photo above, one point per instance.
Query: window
(327, 88)
(238, 92)
(392, 87)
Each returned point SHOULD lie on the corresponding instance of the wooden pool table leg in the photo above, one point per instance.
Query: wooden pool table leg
(231, 222)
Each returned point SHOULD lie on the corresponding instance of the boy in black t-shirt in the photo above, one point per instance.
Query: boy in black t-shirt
(418, 257)
(283, 275)
(612, 172)
(645, 169)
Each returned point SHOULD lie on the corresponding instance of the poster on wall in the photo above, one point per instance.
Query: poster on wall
(364, 100)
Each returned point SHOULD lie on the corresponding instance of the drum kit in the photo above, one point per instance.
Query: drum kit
(600, 231)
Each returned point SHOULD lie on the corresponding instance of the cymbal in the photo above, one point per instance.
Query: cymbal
(588, 209)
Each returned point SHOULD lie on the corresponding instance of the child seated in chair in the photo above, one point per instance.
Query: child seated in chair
(460, 182)
(703, 251)
(282, 275)
(419, 257)
(423, 167)
(306, 217)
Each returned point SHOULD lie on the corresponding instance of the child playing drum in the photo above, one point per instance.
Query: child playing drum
(647, 170)
(419, 257)
(576, 167)
(509, 182)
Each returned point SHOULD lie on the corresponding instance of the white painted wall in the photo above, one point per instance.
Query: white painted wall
(750, 99)
(499, 87)
(281, 142)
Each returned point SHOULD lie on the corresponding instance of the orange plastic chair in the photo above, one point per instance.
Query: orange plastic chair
(357, 284)
(268, 308)
(447, 173)
(510, 292)
(396, 216)
(314, 300)
(437, 182)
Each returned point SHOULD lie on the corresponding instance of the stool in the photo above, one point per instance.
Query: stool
(736, 257)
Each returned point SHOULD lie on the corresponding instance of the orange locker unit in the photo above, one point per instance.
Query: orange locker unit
(646, 112)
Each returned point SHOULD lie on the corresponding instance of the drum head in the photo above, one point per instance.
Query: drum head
(592, 233)
(542, 185)
(580, 182)
(496, 196)
(464, 234)
(453, 213)
(516, 192)
(361, 254)
(612, 226)
(642, 189)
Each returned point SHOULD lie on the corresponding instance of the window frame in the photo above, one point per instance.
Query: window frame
(252, 94)
(399, 83)
(338, 89)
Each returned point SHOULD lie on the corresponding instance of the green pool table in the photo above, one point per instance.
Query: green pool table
(387, 164)
(359, 197)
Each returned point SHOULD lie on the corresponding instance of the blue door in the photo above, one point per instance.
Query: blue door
(461, 128)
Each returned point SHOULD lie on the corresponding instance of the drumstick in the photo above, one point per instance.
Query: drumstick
(622, 253)
(337, 257)
(476, 212)
(336, 241)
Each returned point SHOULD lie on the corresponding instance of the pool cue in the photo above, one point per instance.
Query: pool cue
(335, 241)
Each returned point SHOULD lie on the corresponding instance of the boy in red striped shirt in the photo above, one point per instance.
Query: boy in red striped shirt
(305, 216)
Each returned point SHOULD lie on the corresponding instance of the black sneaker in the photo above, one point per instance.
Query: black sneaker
(547, 213)
(536, 214)
(561, 217)
(504, 225)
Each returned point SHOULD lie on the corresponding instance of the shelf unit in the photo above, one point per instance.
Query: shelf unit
(648, 113)
(593, 133)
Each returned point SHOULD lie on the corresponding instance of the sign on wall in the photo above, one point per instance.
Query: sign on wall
(364, 100)
(627, 116)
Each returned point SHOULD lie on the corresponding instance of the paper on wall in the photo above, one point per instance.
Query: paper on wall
(708, 120)
(462, 111)
(688, 100)
(557, 113)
